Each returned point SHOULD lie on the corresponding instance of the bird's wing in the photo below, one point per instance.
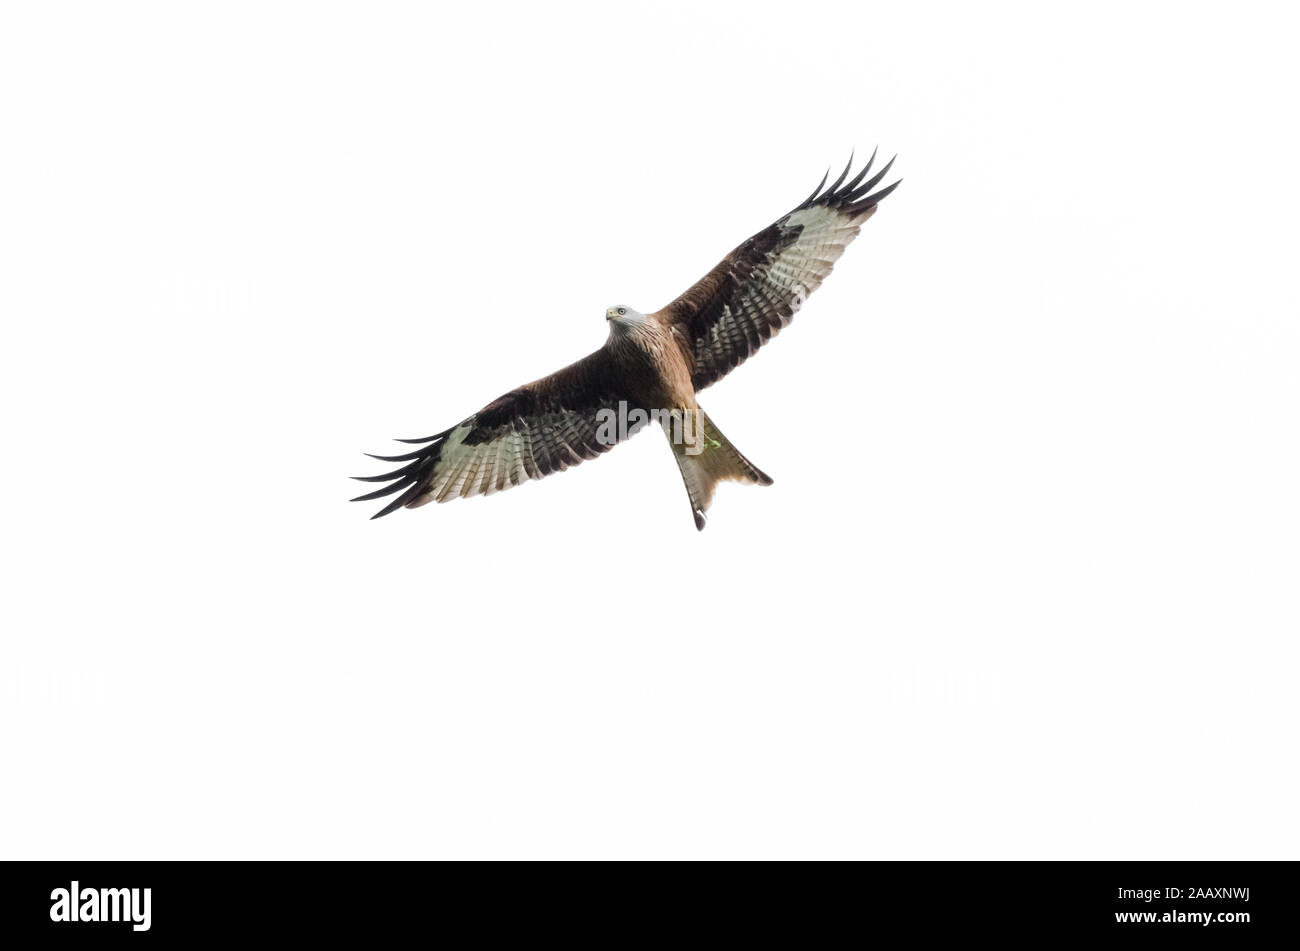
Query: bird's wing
(530, 432)
(756, 289)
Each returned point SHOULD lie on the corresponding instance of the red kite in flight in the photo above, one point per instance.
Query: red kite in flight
(650, 369)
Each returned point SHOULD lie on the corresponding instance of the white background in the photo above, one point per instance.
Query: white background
(1025, 585)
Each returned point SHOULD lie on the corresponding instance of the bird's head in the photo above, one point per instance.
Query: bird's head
(622, 318)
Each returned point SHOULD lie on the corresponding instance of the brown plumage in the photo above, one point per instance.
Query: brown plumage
(651, 364)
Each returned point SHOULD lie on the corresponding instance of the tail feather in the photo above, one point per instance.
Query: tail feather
(706, 457)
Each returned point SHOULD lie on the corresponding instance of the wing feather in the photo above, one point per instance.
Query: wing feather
(530, 432)
(755, 291)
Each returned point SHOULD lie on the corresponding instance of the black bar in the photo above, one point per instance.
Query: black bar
(1220, 902)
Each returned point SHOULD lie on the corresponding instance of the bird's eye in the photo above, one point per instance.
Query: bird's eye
(622, 311)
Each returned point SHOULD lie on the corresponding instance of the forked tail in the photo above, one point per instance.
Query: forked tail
(705, 458)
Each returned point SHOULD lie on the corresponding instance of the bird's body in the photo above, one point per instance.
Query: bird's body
(655, 368)
(650, 369)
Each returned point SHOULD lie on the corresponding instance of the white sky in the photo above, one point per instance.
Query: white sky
(1025, 585)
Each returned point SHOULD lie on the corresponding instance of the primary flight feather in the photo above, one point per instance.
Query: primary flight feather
(649, 369)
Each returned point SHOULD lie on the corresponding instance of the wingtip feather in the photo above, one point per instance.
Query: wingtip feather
(434, 438)
(863, 171)
(872, 200)
(843, 175)
(398, 502)
(816, 191)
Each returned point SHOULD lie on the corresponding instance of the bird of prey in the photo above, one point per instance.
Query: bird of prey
(649, 370)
